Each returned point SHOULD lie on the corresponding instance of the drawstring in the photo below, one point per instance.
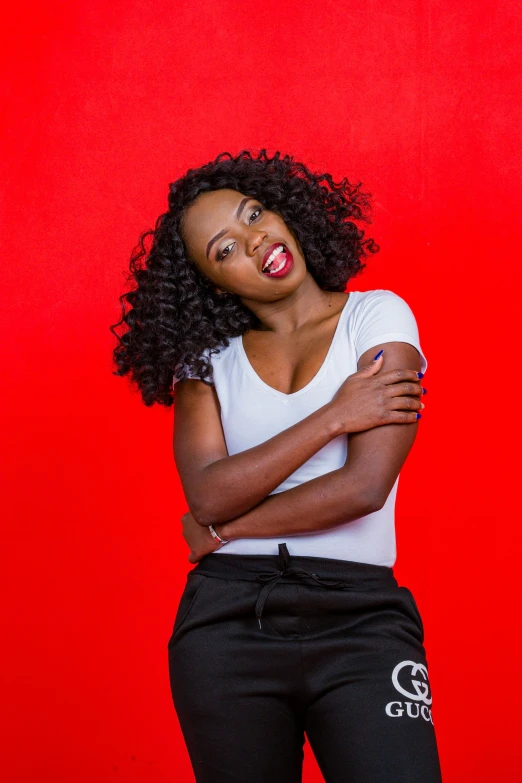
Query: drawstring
(271, 578)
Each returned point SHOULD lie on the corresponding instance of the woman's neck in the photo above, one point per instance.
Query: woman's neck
(307, 303)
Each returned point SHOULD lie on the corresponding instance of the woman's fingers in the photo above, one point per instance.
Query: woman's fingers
(406, 403)
(398, 376)
(402, 417)
(404, 388)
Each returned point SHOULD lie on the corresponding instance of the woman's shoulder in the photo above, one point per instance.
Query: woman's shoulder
(379, 316)
(223, 352)
(214, 356)
(379, 301)
(374, 296)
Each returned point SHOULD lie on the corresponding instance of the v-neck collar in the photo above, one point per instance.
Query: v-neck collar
(320, 372)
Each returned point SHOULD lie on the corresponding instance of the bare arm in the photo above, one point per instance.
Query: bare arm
(361, 486)
(220, 487)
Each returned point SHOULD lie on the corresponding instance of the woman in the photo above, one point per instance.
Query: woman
(296, 405)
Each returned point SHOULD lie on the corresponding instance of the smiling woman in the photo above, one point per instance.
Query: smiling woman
(296, 406)
(175, 312)
(237, 258)
(283, 254)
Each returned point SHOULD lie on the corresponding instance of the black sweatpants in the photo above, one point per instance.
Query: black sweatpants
(268, 648)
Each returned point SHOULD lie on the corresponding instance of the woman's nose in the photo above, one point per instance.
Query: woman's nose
(254, 240)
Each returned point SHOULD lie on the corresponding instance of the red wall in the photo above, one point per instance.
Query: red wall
(108, 102)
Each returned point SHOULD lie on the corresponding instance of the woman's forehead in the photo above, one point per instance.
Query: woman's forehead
(212, 211)
(215, 201)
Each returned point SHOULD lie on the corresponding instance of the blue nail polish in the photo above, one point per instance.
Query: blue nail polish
(419, 415)
(424, 391)
(420, 375)
(376, 357)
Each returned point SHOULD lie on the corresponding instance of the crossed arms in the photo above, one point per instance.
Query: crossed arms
(233, 492)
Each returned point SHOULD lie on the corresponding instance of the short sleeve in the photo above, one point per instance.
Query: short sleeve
(189, 374)
(175, 378)
(384, 317)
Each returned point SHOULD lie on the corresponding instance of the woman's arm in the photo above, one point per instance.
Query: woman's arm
(361, 486)
(220, 488)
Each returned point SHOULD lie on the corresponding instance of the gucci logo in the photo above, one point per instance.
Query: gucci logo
(407, 674)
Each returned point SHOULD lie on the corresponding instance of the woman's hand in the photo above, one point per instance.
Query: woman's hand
(367, 399)
(198, 538)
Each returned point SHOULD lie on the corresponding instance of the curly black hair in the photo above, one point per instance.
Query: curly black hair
(175, 315)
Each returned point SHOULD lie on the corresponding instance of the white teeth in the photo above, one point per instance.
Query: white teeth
(272, 255)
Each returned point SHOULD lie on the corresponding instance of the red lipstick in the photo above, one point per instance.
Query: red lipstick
(277, 261)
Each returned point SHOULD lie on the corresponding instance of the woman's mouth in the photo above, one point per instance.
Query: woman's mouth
(278, 261)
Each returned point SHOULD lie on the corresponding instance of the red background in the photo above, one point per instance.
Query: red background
(108, 102)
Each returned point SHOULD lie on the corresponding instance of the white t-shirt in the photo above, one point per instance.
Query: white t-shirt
(253, 412)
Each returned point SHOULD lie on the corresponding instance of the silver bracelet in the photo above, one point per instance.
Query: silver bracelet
(217, 536)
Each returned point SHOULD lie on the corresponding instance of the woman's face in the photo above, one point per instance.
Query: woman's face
(230, 237)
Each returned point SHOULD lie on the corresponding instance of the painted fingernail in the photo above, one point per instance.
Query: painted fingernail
(419, 415)
(376, 357)
(424, 391)
(420, 375)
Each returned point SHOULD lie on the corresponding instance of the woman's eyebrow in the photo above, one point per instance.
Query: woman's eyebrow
(238, 215)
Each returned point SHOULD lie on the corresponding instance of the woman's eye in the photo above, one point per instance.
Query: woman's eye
(257, 211)
(222, 253)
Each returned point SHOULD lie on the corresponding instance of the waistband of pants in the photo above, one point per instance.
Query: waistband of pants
(295, 568)
(269, 570)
